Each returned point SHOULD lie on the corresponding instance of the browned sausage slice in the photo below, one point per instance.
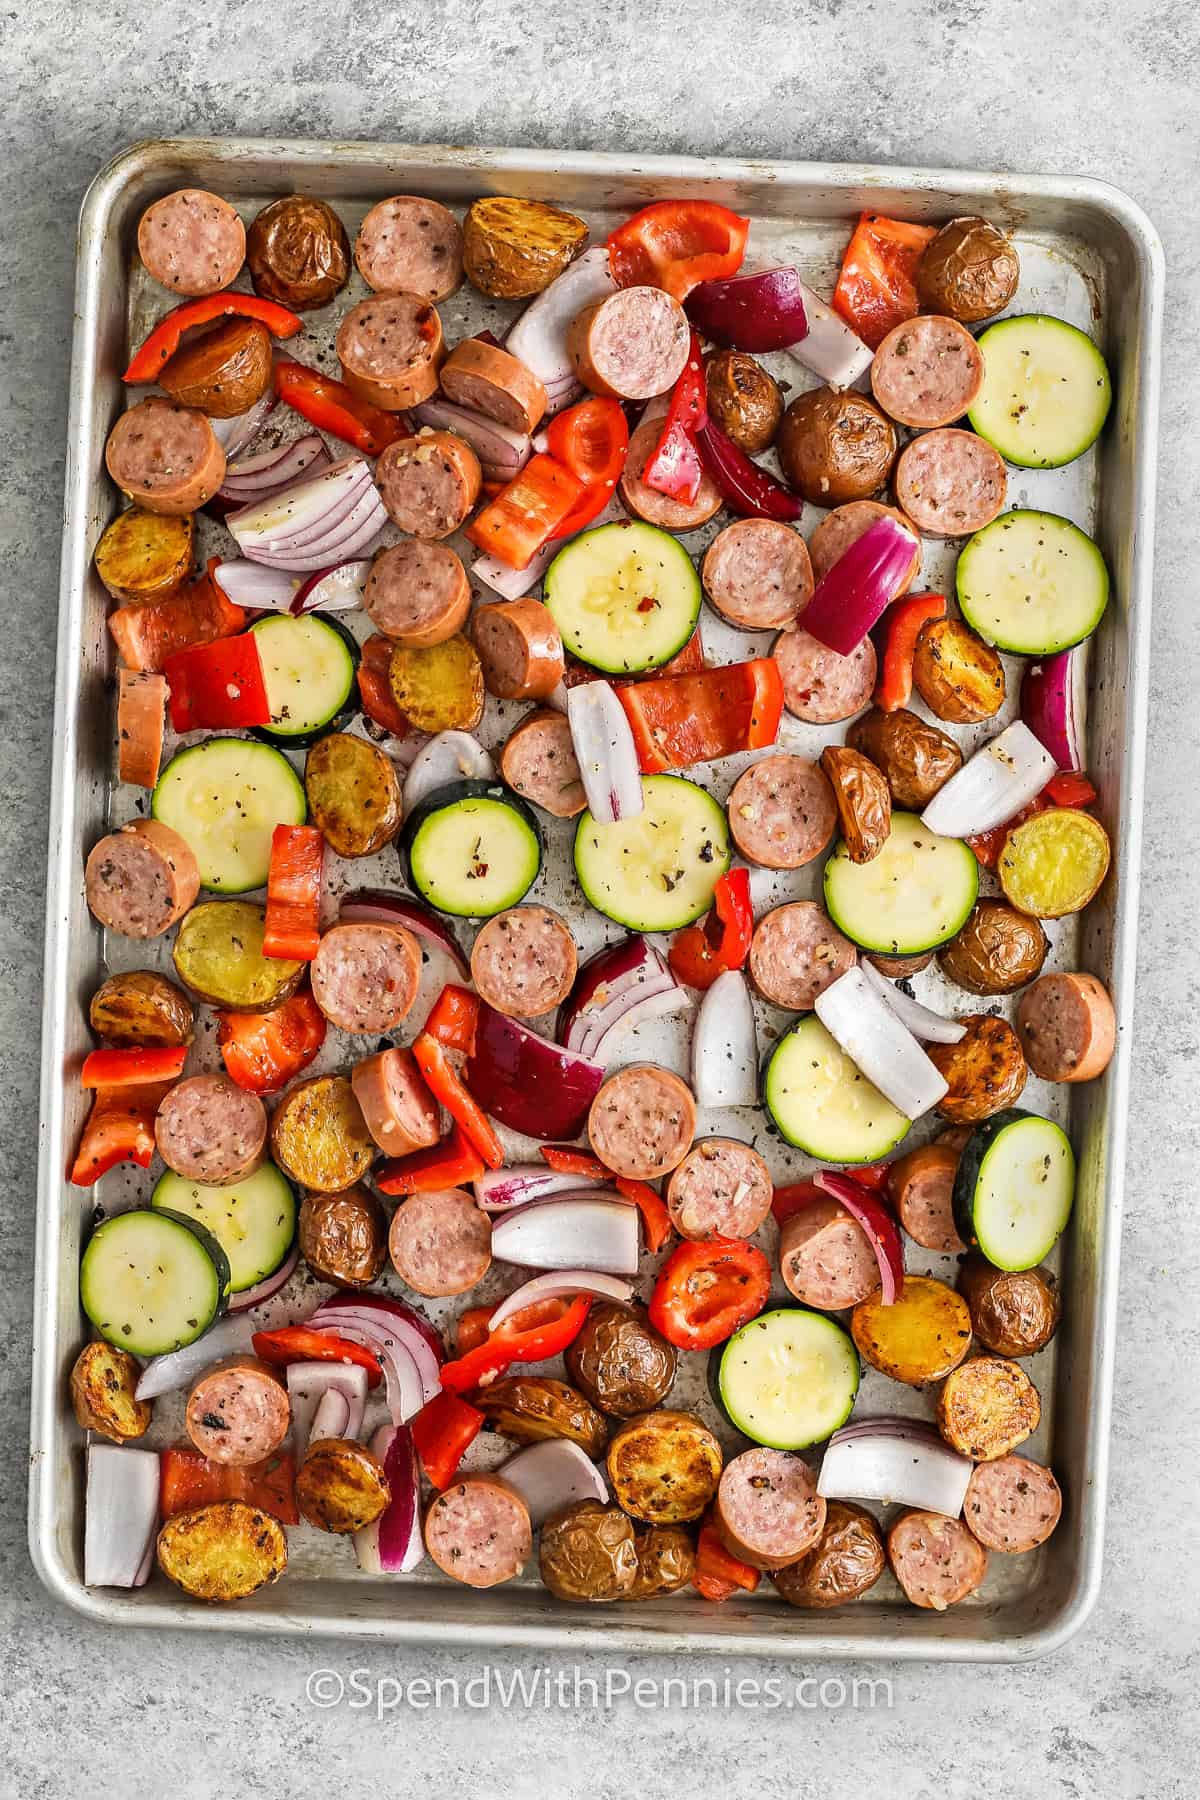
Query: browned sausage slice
(795, 953)
(757, 573)
(164, 456)
(390, 348)
(782, 812)
(1067, 1027)
(950, 483)
(936, 1560)
(488, 380)
(478, 1531)
(659, 509)
(768, 1511)
(141, 879)
(417, 593)
(365, 977)
(631, 345)
(819, 685)
(400, 1112)
(238, 1412)
(642, 1122)
(407, 245)
(825, 1258)
(209, 1129)
(845, 525)
(922, 1188)
(192, 242)
(524, 961)
(1012, 1504)
(429, 483)
(440, 1243)
(520, 648)
(721, 1189)
(539, 763)
(927, 371)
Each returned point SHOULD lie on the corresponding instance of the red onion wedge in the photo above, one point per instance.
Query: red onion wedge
(528, 1084)
(605, 751)
(558, 1285)
(901, 1461)
(354, 534)
(860, 586)
(539, 336)
(831, 350)
(256, 478)
(1054, 705)
(400, 1310)
(393, 1544)
(410, 1369)
(501, 451)
(584, 1231)
(237, 434)
(511, 584)
(379, 906)
(874, 1039)
(553, 1474)
(319, 519)
(230, 1336)
(747, 489)
(253, 585)
(333, 590)
(447, 757)
(725, 1044)
(269, 1285)
(623, 984)
(499, 1190)
(929, 1027)
(120, 1516)
(992, 786)
(308, 1384)
(883, 1233)
(760, 311)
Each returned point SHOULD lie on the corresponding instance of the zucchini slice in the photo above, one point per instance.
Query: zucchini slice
(1046, 391)
(656, 871)
(1014, 1188)
(471, 849)
(225, 797)
(153, 1281)
(218, 954)
(825, 1105)
(916, 894)
(789, 1378)
(1032, 583)
(254, 1220)
(308, 669)
(625, 597)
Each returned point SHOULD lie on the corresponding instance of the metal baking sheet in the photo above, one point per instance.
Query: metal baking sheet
(1088, 254)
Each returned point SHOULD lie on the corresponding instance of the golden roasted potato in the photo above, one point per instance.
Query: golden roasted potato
(512, 248)
(958, 676)
(141, 1008)
(341, 1486)
(353, 794)
(319, 1136)
(863, 798)
(529, 1408)
(218, 955)
(664, 1466)
(145, 555)
(223, 1551)
(987, 1408)
(920, 1337)
(440, 688)
(666, 1557)
(986, 1070)
(102, 1393)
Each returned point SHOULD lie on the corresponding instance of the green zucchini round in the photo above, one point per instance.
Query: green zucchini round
(1014, 1188)
(309, 663)
(471, 849)
(152, 1280)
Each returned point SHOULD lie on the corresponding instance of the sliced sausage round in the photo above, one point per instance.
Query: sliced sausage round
(921, 1185)
(429, 483)
(520, 648)
(642, 1122)
(399, 1111)
(440, 1243)
(478, 1531)
(417, 593)
(722, 1188)
(390, 348)
(795, 953)
(192, 242)
(782, 812)
(407, 245)
(365, 977)
(950, 483)
(141, 879)
(825, 1258)
(524, 961)
(208, 1129)
(539, 763)
(489, 380)
(935, 1559)
(757, 573)
(659, 509)
(166, 457)
(238, 1412)
(1012, 1504)
(819, 685)
(927, 371)
(631, 345)
(845, 525)
(768, 1511)
(1067, 1027)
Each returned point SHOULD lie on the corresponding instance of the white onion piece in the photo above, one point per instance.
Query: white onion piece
(179, 1368)
(557, 1286)
(314, 503)
(890, 1461)
(887, 1053)
(556, 699)
(252, 584)
(332, 1417)
(539, 336)
(356, 527)
(387, 1333)
(582, 1232)
(661, 1003)
(929, 1027)
(334, 590)
(121, 1516)
(551, 1475)
(257, 477)
(605, 751)
(498, 1189)
(308, 1383)
(725, 1044)
(269, 1285)
(447, 757)
(560, 397)
(499, 449)
(237, 434)
(511, 584)
(831, 350)
(996, 783)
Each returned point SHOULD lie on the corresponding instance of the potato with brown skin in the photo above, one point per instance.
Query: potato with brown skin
(917, 759)
(222, 373)
(920, 1337)
(987, 1407)
(513, 248)
(864, 801)
(102, 1392)
(986, 1069)
(958, 676)
(588, 1552)
(341, 1486)
(847, 1559)
(298, 253)
(666, 1557)
(997, 951)
(836, 446)
(319, 1136)
(145, 555)
(353, 794)
(620, 1362)
(1013, 1312)
(664, 1467)
(343, 1236)
(532, 1408)
(225, 1551)
(742, 399)
(969, 271)
(141, 1008)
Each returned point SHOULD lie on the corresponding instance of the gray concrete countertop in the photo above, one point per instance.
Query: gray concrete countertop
(1099, 88)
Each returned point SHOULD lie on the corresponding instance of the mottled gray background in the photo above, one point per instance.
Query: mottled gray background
(1098, 87)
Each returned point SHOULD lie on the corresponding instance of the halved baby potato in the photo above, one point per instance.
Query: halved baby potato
(439, 688)
(145, 555)
(218, 955)
(353, 793)
(664, 1467)
(988, 1407)
(341, 1486)
(222, 1552)
(103, 1384)
(920, 1337)
(141, 1008)
(512, 247)
(319, 1136)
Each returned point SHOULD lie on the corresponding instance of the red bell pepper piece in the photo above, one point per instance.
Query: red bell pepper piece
(147, 634)
(442, 1432)
(787, 1201)
(674, 466)
(874, 1176)
(330, 406)
(120, 1128)
(656, 1220)
(705, 1292)
(292, 930)
(375, 686)
(302, 1343)
(188, 1479)
(217, 686)
(262, 1052)
(1068, 788)
(557, 1325)
(746, 488)
(471, 1327)
(699, 953)
(591, 440)
(527, 513)
(903, 624)
(453, 1018)
(717, 1574)
(689, 660)
(676, 244)
(564, 1159)
(449, 1091)
(678, 720)
(452, 1163)
(163, 341)
(127, 1068)
(876, 288)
